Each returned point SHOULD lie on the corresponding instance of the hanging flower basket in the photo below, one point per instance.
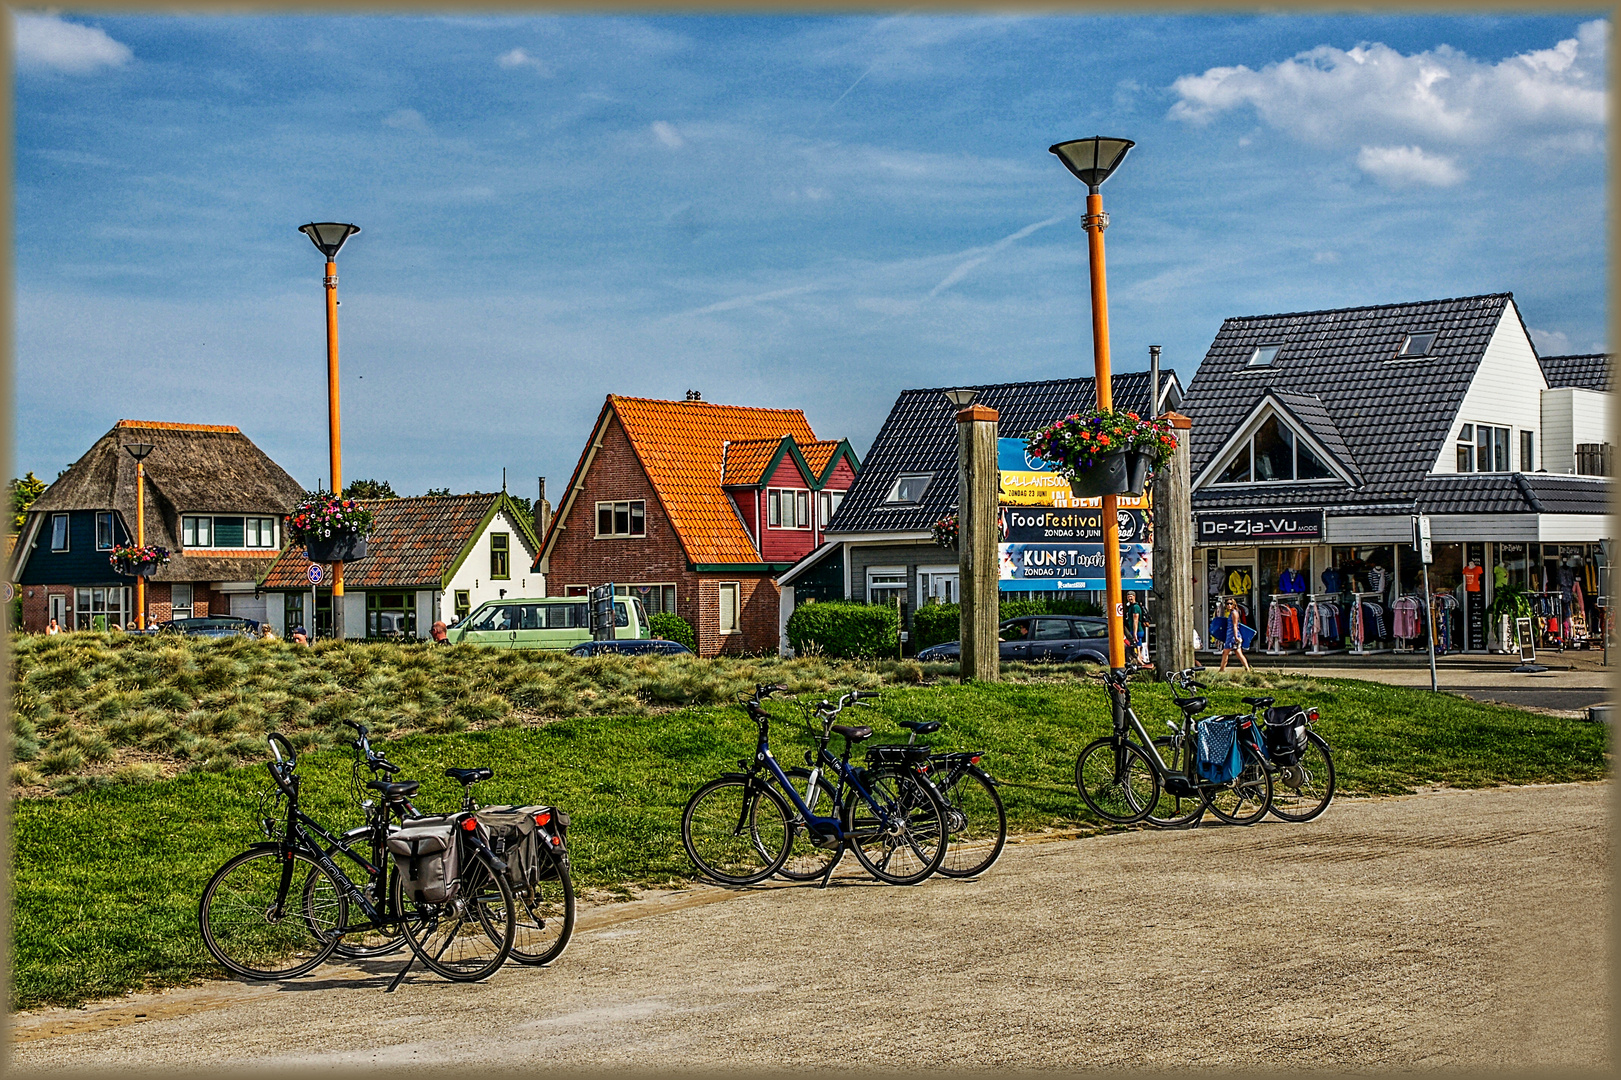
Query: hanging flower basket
(1104, 452)
(135, 561)
(329, 528)
(945, 531)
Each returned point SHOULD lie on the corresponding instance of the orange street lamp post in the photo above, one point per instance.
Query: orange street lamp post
(329, 237)
(138, 451)
(1092, 160)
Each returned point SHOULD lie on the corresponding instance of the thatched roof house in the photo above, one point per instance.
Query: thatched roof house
(212, 497)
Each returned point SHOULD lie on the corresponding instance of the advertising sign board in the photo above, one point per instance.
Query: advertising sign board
(1052, 541)
(1247, 527)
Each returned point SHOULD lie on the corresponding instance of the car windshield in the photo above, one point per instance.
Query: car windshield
(494, 617)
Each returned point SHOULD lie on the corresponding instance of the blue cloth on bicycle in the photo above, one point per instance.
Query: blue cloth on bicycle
(1220, 758)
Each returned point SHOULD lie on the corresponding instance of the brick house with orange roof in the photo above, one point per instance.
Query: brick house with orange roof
(694, 507)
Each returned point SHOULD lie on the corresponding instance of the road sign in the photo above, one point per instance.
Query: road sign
(317, 572)
(1421, 538)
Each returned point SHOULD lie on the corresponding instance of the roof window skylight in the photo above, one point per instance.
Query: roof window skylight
(909, 488)
(1415, 345)
(1264, 355)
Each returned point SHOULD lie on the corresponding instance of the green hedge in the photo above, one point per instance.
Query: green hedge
(838, 628)
(669, 625)
(935, 623)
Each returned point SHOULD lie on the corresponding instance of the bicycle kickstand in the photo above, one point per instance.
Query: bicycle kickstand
(831, 863)
(409, 960)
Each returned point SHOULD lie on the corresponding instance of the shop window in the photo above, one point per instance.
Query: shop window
(1528, 457)
(1272, 454)
(622, 518)
(104, 532)
(1414, 346)
(729, 606)
(1466, 448)
(1264, 355)
(909, 488)
(500, 556)
(59, 532)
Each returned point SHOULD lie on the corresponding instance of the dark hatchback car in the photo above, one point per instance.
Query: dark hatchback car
(209, 626)
(632, 647)
(1053, 639)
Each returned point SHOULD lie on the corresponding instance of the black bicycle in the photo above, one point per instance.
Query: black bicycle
(283, 906)
(975, 816)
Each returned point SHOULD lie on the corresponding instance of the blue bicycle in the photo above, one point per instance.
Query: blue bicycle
(739, 829)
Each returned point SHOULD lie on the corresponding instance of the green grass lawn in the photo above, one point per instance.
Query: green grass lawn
(106, 878)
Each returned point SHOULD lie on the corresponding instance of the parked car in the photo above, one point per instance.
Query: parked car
(551, 622)
(209, 626)
(637, 647)
(1054, 639)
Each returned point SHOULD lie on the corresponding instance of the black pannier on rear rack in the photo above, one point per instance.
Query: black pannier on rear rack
(913, 755)
(1285, 734)
(521, 835)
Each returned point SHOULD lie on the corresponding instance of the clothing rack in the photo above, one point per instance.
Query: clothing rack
(1283, 614)
(1358, 623)
(1408, 613)
(1321, 609)
(1549, 607)
(1446, 605)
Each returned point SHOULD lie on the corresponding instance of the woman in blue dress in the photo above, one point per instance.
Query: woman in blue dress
(1233, 639)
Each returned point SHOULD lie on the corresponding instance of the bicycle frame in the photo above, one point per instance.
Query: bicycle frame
(840, 767)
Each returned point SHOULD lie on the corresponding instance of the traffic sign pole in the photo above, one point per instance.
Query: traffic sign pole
(1426, 555)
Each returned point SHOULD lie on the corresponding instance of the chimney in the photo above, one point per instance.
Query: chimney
(543, 512)
(694, 395)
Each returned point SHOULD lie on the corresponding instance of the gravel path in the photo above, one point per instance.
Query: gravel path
(1450, 929)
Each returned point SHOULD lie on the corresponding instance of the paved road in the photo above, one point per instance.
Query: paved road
(1566, 700)
(1450, 929)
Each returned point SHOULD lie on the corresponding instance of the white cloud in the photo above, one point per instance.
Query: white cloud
(668, 135)
(1333, 96)
(962, 269)
(46, 41)
(1550, 342)
(1400, 166)
(405, 119)
(518, 58)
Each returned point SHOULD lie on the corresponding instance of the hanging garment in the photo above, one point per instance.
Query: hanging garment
(1373, 621)
(1332, 579)
(1376, 576)
(1291, 581)
(1291, 624)
(1404, 618)
(1239, 582)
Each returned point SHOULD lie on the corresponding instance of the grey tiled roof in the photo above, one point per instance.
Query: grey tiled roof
(1515, 493)
(1309, 411)
(920, 436)
(1590, 372)
(1393, 416)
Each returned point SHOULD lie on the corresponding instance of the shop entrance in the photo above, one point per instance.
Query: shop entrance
(1232, 573)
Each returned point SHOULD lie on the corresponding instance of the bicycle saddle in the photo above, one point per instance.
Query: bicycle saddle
(394, 791)
(854, 734)
(1259, 702)
(468, 776)
(922, 727)
(1193, 704)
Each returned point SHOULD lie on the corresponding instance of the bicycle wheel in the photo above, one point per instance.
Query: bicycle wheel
(257, 930)
(1116, 781)
(901, 838)
(736, 831)
(1306, 788)
(1174, 811)
(1245, 800)
(545, 914)
(468, 937)
(365, 940)
(976, 822)
(809, 860)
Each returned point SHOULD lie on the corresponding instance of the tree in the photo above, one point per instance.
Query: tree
(23, 494)
(526, 505)
(437, 493)
(369, 489)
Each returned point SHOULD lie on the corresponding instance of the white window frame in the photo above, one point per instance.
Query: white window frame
(112, 532)
(1271, 352)
(925, 579)
(788, 508)
(655, 588)
(191, 600)
(613, 512)
(1466, 445)
(894, 581)
(828, 503)
(1528, 450)
(67, 532)
(729, 612)
(1495, 436)
(1246, 446)
(894, 499)
(1429, 346)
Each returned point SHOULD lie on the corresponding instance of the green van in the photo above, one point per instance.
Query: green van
(553, 622)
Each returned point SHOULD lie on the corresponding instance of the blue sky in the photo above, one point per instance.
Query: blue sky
(811, 213)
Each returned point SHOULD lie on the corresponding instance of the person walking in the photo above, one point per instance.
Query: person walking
(1137, 627)
(1233, 639)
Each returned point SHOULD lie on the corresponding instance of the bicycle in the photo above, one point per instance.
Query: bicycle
(738, 829)
(282, 907)
(975, 816)
(1122, 780)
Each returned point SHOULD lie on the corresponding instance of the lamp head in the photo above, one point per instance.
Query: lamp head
(961, 398)
(1092, 160)
(138, 450)
(328, 236)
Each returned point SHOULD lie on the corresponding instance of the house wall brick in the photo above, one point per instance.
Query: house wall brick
(580, 558)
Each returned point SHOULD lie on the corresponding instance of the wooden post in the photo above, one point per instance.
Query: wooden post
(978, 482)
(1173, 555)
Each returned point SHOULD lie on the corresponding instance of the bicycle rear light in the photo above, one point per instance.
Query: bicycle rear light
(469, 824)
(1311, 714)
(974, 760)
(543, 817)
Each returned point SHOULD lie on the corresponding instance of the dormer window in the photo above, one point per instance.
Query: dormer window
(909, 488)
(1415, 345)
(1264, 355)
(1272, 454)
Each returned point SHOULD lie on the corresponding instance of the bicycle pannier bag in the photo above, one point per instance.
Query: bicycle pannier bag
(1285, 734)
(518, 836)
(1220, 756)
(425, 853)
